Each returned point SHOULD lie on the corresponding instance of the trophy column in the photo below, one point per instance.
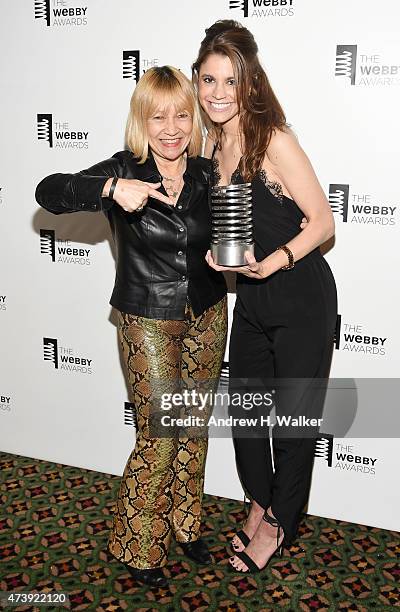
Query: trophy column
(232, 224)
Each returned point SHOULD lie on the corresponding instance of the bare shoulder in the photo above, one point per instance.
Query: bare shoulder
(283, 143)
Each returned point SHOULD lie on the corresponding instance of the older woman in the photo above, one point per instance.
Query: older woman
(171, 308)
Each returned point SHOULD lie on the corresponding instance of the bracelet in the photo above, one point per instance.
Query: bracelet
(112, 188)
(290, 257)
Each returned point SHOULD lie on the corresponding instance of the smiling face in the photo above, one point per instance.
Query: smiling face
(169, 131)
(217, 89)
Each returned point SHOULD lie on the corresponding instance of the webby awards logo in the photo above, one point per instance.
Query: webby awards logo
(58, 134)
(353, 206)
(5, 402)
(59, 13)
(130, 417)
(65, 358)
(354, 337)
(343, 457)
(63, 251)
(134, 65)
(263, 8)
(366, 68)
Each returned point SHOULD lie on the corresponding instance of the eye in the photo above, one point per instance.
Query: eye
(158, 117)
(232, 82)
(183, 115)
(207, 79)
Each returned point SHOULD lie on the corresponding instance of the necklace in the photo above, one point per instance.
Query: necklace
(172, 189)
(172, 178)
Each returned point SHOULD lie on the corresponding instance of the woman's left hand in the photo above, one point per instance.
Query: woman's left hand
(253, 269)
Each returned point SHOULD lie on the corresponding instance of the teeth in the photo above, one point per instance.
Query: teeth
(220, 105)
(170, 140)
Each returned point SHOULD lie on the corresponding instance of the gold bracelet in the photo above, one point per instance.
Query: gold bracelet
(290, 257)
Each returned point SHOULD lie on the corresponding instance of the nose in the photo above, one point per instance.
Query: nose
(219, 91)
(171, 127)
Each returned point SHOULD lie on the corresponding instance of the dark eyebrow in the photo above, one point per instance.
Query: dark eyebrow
(212, 77)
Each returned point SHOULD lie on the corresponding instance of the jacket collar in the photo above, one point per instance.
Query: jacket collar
(197, 168)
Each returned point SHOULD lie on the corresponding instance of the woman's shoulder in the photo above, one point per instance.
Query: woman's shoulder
(120, 164)
(126, 156)
(283, 137)
(283, 142)
(132, 165)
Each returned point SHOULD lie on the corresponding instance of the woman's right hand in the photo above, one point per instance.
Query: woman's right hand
(132, 195)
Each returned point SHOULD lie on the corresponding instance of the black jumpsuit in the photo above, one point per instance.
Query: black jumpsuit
(282, 330)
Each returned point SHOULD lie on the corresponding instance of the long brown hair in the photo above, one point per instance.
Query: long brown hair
(259, 110)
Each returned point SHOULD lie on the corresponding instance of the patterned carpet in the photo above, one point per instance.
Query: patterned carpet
(53, 533)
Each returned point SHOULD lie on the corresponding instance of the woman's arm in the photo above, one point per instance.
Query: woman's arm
(88, 190)
(293, 167)
(82, 191)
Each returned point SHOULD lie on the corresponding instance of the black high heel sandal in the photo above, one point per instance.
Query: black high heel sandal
(251, 565)
(242, 535)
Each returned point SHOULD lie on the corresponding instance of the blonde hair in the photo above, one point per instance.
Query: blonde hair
(157, 89)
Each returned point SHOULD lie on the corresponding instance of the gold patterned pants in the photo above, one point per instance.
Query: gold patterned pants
(162, 485)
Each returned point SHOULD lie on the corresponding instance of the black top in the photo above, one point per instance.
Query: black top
(276, 218)
(160, 250)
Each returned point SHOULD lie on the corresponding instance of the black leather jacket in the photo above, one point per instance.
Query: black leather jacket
(160, 251)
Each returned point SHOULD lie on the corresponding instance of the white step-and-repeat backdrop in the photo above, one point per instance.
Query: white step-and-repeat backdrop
(68, 71)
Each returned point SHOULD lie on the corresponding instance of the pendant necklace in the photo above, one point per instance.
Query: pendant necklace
(171, 190)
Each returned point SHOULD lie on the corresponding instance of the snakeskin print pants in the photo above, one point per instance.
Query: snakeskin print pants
(162, 485)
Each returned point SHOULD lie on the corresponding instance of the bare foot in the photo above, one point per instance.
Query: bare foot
(261, 548)
(252, 523)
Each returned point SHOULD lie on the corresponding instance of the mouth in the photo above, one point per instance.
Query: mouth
(219, 106)
(171, 142)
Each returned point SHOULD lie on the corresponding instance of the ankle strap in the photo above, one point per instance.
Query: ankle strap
(271, 519)
(275, 523)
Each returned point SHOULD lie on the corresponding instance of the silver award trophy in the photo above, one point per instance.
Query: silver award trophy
(232, 224)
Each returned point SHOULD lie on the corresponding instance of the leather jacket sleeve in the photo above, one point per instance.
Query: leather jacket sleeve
(160, 251)
(65, 193)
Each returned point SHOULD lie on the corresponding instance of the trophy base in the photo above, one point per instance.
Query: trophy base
(231, 254)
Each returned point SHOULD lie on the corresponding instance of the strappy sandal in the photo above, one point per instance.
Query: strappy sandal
(243, 537)
(251, 565)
